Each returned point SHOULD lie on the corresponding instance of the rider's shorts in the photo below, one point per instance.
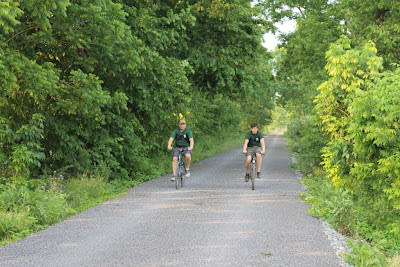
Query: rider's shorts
(252, 149)
(176, 150)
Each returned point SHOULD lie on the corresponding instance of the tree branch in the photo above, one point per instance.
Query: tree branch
(301, 12)
(21, 32)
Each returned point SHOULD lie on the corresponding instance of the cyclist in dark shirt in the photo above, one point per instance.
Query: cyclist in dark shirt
(253, 142)
(183, 139)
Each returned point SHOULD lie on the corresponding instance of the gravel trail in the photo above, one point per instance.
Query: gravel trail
(215, 220)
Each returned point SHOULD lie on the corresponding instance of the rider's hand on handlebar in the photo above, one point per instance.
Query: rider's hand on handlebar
(244, 151)
(169, 147)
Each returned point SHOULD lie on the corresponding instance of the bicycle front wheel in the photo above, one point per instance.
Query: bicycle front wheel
(253, 175)
(182, 171)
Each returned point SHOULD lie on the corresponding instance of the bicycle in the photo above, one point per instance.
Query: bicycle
(253, 169)
(179, 180)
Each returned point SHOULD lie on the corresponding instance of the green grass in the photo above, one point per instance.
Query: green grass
(33, 205)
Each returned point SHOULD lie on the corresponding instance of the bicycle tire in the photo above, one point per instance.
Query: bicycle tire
(182, 181)
(253, 175)
(182, 173)
(178, 172)
(180, 168)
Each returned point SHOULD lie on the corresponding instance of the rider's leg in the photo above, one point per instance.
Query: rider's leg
(174, 162)
(248, 159)
(188, 159)
(259, 161)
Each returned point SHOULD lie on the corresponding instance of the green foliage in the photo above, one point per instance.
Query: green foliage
(333, 204)
(47, 208)
(97, 83)
(365, 255)
(27, 153)
(301, 60)
(352, 216)
(14, 224)
(359, 116)
(28, 210)
(84, 192)
(9, 11)
(350, 71)
(306, 140)
(375, 131)
(280, 120)
(377, 21)
(27, 207)
(356, 128)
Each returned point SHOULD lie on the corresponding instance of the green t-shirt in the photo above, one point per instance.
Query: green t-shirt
(254, 139)
(182, 138)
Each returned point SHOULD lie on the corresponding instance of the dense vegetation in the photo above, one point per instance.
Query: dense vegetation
(339, 77)
(90, 91)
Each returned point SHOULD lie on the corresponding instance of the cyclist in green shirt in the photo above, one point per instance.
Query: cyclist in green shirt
(183, 139)
(253, 142)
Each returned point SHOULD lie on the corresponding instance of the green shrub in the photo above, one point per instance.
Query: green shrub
(13, 197)
(365, 255)
(28, 210)
(373, 221)
(305, 140)
(81, 193)
(47, 207)
(15, 223)
(331, 203)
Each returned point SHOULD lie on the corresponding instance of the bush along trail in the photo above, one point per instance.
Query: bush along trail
(339, 77)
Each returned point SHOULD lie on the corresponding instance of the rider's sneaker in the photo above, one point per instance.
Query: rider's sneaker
(173, 178)
(247, 177)
(187, 174)
(258, 175)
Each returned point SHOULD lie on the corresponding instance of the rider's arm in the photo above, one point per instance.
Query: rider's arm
(170, 143)
(246, 141)
(262, 146)
(191, 140)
